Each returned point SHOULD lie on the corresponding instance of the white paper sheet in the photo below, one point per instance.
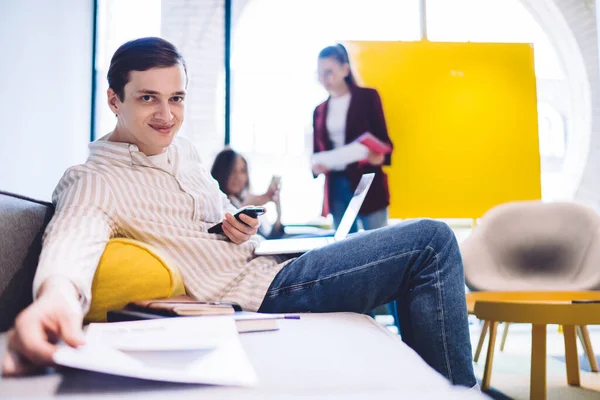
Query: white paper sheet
(160, 334)
(225, 364)
(342, 156)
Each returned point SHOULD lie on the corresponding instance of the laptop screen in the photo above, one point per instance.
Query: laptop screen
(352, 211)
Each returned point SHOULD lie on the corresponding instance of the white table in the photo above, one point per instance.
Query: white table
(345, 356)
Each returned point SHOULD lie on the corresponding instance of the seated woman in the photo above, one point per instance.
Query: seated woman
(230, 170)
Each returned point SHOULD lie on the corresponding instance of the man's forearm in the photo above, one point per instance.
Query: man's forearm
(58, 284)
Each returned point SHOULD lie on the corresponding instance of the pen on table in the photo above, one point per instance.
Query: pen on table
(290, 316)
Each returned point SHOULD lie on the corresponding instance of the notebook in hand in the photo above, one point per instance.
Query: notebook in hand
(182, 306)
(374, 144)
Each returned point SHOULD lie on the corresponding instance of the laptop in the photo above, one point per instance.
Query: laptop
(302, 245)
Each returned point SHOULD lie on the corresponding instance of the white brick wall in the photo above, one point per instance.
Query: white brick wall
(197, 29)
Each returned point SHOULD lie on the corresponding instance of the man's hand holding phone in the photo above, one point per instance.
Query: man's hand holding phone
(240, 231)
(242, 226)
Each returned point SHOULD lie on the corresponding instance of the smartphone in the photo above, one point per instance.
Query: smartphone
(585, 301)
(251, 211)
(275, 182)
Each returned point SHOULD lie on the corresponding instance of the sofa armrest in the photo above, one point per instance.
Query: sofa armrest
(22, 226)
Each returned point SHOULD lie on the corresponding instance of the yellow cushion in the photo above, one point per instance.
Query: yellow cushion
(130, 270)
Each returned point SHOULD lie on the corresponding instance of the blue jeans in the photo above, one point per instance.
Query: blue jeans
(416, 263)
(375, 220)
(340, 194)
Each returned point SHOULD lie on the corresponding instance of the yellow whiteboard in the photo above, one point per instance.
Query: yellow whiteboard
(463, 119)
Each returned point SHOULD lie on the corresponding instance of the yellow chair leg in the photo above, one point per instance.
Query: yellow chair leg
(504, 335)
(484, 330)
(580, 336)
(571, 355)
(584, 336)
(537, 390)
(487, 372)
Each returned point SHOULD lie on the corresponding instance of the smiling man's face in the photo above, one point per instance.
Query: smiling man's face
(151, 111)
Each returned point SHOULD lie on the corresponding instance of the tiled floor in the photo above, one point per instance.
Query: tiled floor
(510, 372)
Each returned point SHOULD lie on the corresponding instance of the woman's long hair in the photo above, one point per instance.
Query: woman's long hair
(223, 167)
(339, 53)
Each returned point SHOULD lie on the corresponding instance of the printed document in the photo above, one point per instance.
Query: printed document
(187, 350)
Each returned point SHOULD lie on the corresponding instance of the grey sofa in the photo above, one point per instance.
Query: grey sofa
(22, 224)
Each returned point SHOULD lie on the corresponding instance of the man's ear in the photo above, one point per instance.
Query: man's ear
(113, 101)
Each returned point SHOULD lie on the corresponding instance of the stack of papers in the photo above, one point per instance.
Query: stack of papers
(188, 350)
(342, 156)
(356, 151)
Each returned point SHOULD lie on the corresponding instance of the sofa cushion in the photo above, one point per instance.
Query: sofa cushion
(130, 270)
(22, 224)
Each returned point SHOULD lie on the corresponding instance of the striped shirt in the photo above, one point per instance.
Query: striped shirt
(119, 192)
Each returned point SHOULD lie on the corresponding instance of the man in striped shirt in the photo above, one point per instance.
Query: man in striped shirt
(142, 182)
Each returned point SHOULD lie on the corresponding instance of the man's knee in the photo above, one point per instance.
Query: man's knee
(430, 232)
(441, 239)
(439, 235)
(435, 229)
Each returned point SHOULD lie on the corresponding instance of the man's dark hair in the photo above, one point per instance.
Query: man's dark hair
(141, 55)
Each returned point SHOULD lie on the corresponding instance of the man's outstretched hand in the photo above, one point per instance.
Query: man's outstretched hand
(55, 315)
